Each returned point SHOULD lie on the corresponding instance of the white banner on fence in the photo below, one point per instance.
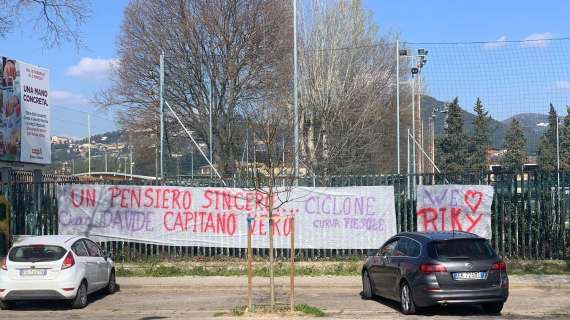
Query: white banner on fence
(332, 218)
(455, 208)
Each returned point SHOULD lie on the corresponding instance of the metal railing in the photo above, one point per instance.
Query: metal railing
(530, 212)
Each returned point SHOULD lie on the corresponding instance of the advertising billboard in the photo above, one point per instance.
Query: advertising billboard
(25, 114)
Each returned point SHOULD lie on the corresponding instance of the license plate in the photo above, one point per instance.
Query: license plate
(33, 272)
(469, 275)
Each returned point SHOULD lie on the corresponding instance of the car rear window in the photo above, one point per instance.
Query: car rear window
(36, 253)
(461, 249)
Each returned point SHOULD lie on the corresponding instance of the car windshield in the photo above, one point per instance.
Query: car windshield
(36, 253)
(460, 249)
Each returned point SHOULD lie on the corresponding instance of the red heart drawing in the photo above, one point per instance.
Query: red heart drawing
(473, 199)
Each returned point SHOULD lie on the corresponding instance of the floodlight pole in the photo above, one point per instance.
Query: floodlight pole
(558, 163)
(432, 143)
(89, 141)
(421, 159)
(210, 113)
(398, 104)
(409, 173)
(413, 82)
(557, 156)
(161, 115)
(420, 122)
(295, 102)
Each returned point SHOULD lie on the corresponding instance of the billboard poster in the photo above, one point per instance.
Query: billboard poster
(25, 114)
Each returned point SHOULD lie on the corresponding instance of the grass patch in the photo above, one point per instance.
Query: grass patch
(303, 268)
(307, 309)
(282, 309)
(260, 269)
(523, 267)
(238, 311)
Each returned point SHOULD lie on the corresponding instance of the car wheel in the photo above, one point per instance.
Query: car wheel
(406, 301)
(493, 308)
(367, 291)
(112, 284)
(5, 305)
(80, 300)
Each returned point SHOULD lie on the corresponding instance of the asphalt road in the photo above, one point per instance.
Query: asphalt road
(539, 297)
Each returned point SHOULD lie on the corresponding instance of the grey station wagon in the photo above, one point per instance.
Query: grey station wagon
(424, 269)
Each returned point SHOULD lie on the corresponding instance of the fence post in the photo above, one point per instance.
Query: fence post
(32, 226)
(292, 268)
(249, 265)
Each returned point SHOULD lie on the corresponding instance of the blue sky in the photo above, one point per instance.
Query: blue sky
(73, 83)
(463, 20)
(510, 78)
(76, 75)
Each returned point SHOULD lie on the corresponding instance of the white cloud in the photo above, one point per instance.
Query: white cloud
(497, 43)
(92, 68)
(62, 98)
(537, 40)
(563, 85)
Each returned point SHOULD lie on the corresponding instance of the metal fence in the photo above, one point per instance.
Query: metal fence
(530, 213)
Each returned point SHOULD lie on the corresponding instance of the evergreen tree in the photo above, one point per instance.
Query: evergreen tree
(565, 142)
(453, 146)
(516, 148)
(481, 139)
(547, 145)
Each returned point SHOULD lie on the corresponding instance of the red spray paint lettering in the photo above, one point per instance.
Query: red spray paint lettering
(445, 213)
(86, 198)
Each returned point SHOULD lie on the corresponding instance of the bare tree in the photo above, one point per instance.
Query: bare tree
(270, 122)
(217, 53)
(347, 76)
(56, 21)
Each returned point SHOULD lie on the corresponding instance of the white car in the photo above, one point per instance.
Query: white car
(55, 267)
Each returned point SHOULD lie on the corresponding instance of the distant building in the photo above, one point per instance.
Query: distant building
(494, 155)
(206, 170)
(60, 140)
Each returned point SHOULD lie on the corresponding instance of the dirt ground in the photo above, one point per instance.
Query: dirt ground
(531, 297)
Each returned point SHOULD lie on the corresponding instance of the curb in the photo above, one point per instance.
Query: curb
(204, 286)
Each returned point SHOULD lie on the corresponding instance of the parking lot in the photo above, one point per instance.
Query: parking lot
(531, 297)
